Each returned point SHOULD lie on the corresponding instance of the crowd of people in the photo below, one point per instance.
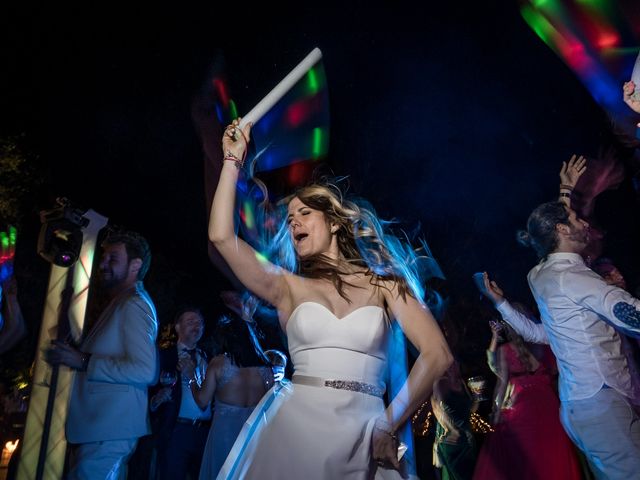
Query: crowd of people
(565, 391)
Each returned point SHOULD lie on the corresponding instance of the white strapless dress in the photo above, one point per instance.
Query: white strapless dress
(307, 432)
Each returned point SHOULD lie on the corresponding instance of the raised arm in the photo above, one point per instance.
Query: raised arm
(434, 358)
(260, 277)
(501, 369)
(492, 356)
(570, 173)
(531, 331)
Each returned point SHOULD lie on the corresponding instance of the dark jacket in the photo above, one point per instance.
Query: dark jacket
(164, 418)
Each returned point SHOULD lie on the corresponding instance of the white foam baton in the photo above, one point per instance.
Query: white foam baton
(281, 89)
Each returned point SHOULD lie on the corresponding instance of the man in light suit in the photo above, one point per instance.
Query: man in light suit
(115, 364)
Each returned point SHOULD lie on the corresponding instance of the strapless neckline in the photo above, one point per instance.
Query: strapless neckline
(325, 308)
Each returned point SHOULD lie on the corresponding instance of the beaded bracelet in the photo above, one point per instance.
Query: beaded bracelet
(564, 186)
(230, 157)
(387, 430)
(567, 195)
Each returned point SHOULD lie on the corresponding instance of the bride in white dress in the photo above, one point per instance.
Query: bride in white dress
(337, 309)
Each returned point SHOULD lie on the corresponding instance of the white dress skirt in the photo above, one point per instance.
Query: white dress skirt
(315, 432)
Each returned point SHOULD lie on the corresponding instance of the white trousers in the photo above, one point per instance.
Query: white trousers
(101, 460)
(607, 430)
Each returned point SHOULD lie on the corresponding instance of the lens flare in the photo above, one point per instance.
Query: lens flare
(592, 38)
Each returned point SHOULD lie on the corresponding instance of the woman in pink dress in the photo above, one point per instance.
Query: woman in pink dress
(528, 442)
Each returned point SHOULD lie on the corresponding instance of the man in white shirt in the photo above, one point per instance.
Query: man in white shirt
(580, 314)
(181, 425)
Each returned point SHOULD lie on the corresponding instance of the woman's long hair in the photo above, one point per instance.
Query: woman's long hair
(362, 241)
(235, 341)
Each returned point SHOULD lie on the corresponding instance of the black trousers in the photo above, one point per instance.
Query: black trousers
(182, 452)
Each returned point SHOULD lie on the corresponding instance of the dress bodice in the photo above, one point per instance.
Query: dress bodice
(515, 364)
(350, 348)
(301, 430)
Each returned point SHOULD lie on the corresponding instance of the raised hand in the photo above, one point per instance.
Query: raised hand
(571, 171)
(235, 141)
(490, 289)
(496, 327)
(628, 90)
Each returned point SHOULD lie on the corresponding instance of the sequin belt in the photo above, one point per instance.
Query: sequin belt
(350, 385)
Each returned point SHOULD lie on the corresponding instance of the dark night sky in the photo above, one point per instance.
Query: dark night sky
(455, 117)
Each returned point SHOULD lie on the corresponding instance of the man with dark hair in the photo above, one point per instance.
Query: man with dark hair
(115, 364)
(136, 247)
(181, 426)
(580, 313)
